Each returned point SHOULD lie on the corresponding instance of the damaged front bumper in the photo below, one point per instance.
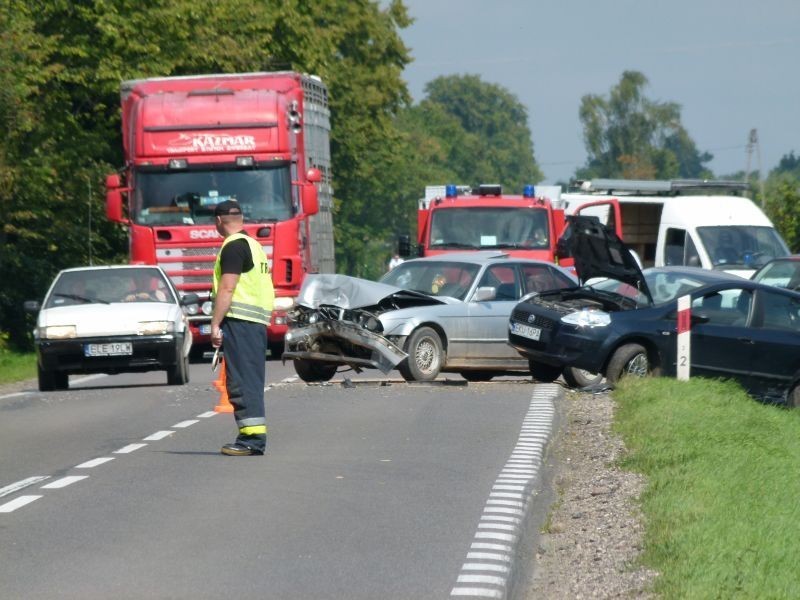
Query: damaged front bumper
(342, 342)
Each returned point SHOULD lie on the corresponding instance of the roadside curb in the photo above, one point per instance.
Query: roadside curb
(492, 560)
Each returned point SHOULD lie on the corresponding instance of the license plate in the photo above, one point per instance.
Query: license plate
(110, 349)
(205, 329)
(532, 333)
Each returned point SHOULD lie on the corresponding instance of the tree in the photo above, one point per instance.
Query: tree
(629, 136)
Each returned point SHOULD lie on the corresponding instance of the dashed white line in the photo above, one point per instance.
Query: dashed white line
(477, 592)
(184, 424)
(207, 414)
(17, 503)
(485, 567)
(95, 462)
(129, 448)
(22, 484)
(63, 482)
(158, 435)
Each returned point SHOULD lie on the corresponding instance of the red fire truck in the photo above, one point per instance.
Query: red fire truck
(192, 142)
(458, 218)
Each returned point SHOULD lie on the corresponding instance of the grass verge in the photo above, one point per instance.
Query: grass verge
(721, 505)
(16, 367)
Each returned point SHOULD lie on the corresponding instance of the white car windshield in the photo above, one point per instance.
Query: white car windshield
(437, 278)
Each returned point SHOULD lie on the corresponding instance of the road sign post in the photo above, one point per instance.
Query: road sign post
(684, 337)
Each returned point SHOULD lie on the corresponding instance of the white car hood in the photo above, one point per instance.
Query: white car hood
(110, 319)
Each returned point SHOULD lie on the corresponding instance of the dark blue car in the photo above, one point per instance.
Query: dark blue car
(623, 321)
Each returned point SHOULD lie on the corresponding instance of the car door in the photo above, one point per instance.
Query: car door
(722, 346)
(775, 336)
(487, 325)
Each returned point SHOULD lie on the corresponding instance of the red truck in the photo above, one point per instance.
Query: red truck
(457, 218)
(192, 142)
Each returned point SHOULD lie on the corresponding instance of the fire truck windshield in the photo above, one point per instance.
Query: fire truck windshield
(489, 227)
(188, 197)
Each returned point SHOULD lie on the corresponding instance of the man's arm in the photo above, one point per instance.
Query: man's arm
(222, 303)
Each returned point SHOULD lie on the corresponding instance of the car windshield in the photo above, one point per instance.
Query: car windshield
(188, 197)
(741, 246)
(664, 286)
(435, 278)
(106, 286)
(487, 227)
(780, 273)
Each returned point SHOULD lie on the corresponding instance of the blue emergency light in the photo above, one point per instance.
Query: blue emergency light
(528, 191)
(451, 191)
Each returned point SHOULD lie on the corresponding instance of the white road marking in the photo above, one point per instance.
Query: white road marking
(207, 414)
(17, 503)
(63, 482)
(129, 448)
(16, 394)
(22, 484)
(184, 424)
(500, 525)
(95, 462)
(158, 435)
(88, 378)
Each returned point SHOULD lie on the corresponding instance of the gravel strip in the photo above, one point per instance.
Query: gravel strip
(594, 536)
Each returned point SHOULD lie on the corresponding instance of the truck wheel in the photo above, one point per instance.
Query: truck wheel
(314, 371)
(425, 356)
(476, 376)
(179, 373)
(630, 360)
(544, 373)
(578, 378)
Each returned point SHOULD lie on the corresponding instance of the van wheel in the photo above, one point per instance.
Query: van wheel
(544, 373)
(314, 371)
(630, 360)
(578, 378)
(50, 381)
(179, 373)
(425, 356)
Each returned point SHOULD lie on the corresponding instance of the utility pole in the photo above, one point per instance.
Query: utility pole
(752, 144)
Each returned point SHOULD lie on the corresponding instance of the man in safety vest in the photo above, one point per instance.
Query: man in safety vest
(243, 299)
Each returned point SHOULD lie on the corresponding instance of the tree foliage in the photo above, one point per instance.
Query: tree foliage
(61, 63)
(629, 136)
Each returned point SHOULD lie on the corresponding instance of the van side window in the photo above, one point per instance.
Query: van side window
(679, 249)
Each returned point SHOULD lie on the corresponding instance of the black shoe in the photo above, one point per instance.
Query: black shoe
(237, 449)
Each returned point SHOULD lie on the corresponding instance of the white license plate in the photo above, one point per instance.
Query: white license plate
(205, 329)
(532, 333)
(110, 349)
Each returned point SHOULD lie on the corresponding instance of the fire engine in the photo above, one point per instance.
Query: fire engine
(455, 218)
(192, 142)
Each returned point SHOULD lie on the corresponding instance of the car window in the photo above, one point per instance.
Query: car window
(780, 312)
(439, 278)
(781, 273)
(540, 278)
(504, 279)
(726, 307)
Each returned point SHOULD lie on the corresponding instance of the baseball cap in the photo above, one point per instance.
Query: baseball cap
(228, 207)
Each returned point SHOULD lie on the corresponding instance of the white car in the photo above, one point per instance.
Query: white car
(111, 319)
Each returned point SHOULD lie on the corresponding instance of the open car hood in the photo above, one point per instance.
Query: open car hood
(348, 292)
(598, 252)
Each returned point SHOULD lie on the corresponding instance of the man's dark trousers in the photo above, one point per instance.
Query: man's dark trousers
(245, 349)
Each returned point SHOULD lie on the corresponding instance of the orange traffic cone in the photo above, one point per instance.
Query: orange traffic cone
(224, 404)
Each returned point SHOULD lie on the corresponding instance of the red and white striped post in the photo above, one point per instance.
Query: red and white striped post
(684, 337)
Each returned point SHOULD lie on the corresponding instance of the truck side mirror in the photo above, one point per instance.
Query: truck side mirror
(114, 199)
(310, 199)
(404, 246)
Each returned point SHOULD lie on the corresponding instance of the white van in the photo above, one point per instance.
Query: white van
(664, 227)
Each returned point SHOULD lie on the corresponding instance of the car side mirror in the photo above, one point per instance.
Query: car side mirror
(189, 299)
(32, 306)
(482, 294)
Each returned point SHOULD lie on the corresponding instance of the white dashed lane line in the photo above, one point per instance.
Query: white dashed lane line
(129, 448)
(158, 435)
(64, 482)
(489, 564)
(17, 503)
(95, 462)
(185, 424)
(22, 484)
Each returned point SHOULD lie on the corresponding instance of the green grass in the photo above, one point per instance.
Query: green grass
(722, 504)
(16, 367)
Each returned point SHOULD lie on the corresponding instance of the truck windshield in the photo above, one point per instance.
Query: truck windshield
(746, 246)
(188, 197)
(489, 227)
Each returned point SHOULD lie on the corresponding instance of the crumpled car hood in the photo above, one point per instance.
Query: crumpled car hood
(348, 292)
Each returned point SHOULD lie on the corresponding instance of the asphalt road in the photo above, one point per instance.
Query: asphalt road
(371, 488)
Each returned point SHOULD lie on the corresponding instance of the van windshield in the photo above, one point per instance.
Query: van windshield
(745, 246)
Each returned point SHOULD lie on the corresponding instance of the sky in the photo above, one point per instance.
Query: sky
(732, 66)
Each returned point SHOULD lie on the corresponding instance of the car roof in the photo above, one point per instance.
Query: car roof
(110, 267)
(697, 272)
(476, 257)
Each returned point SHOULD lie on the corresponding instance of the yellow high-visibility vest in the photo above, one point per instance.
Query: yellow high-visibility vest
(254, 295)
